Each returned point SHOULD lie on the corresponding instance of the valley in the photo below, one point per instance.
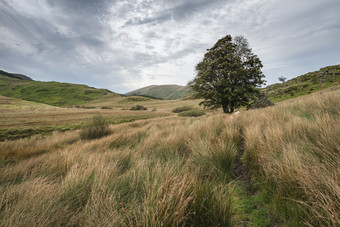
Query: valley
(261, 167)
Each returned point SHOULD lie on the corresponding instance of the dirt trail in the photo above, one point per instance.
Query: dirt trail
(249, 191)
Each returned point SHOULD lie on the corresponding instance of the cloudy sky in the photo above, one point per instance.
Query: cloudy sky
(123, 45)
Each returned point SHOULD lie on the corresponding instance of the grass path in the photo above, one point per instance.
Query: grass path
(252, 210)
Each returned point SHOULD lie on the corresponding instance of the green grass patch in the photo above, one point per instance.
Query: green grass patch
(135, 99)
(191, 113)
(138, 107)
(182, 109)
(98, 128)
(18, 133)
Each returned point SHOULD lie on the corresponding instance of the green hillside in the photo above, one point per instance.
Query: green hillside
(162, 91)
(304, 84)
(52, 93)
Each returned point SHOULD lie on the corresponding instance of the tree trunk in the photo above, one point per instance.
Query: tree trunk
(225, 108)
(232, 107)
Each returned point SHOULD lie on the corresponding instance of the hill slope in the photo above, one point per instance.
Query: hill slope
(15, 75)
(162, 91)
(52, 93)
(304, 84)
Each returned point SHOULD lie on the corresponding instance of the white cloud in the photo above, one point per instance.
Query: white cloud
(124, 45)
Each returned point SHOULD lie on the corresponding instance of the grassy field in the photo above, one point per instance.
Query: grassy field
(19, 118)
(277, 166)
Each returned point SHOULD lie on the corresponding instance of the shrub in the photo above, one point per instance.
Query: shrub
(138, 107)
(98, 128)
(182, 109)
(106, 108)
(191, 113)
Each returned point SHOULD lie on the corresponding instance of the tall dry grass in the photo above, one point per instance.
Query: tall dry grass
(293, 150)
(146, 173)
(178, 172)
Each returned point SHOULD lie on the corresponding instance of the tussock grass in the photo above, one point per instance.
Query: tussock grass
(191, 113)
(145, 173)
(178, 171)
(98, 128)
(293, 150)
(182, 109)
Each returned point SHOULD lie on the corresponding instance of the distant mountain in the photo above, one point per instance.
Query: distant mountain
(162, 91)
(52, 93)
(304, 84)
(15, 75)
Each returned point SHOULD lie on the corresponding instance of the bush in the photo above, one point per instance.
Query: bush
(138, 107)
(182, 109)
(98, 128)
(191, 113)
(106, 108)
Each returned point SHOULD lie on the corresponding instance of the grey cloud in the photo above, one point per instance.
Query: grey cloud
(178, 11)
(164, 16)
(88, 7)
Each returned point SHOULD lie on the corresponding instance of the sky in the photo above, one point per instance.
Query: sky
(123, 45)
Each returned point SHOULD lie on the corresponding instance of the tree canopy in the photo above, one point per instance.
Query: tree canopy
(228, 76)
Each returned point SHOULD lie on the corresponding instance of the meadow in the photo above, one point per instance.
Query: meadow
(20, 118)
(277, 166)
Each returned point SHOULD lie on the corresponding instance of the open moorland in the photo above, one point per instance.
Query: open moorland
(277, 166)
(20, 118)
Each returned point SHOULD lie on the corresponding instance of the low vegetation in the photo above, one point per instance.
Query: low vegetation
(98, 128)
(191, 113)
(182, 109)
(138, 107)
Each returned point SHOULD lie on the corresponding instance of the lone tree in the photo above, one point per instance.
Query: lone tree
(228, 76)
(282, 79)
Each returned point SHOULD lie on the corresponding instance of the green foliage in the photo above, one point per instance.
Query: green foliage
(138, 107)
(228, 75)
(192, 113)
(52, 93)
(282, 79)
(182, 109)
(97, 129)
(106, 108)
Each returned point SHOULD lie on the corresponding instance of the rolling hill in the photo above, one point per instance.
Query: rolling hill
(162, 91)
(52, 93)
(304, 84)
